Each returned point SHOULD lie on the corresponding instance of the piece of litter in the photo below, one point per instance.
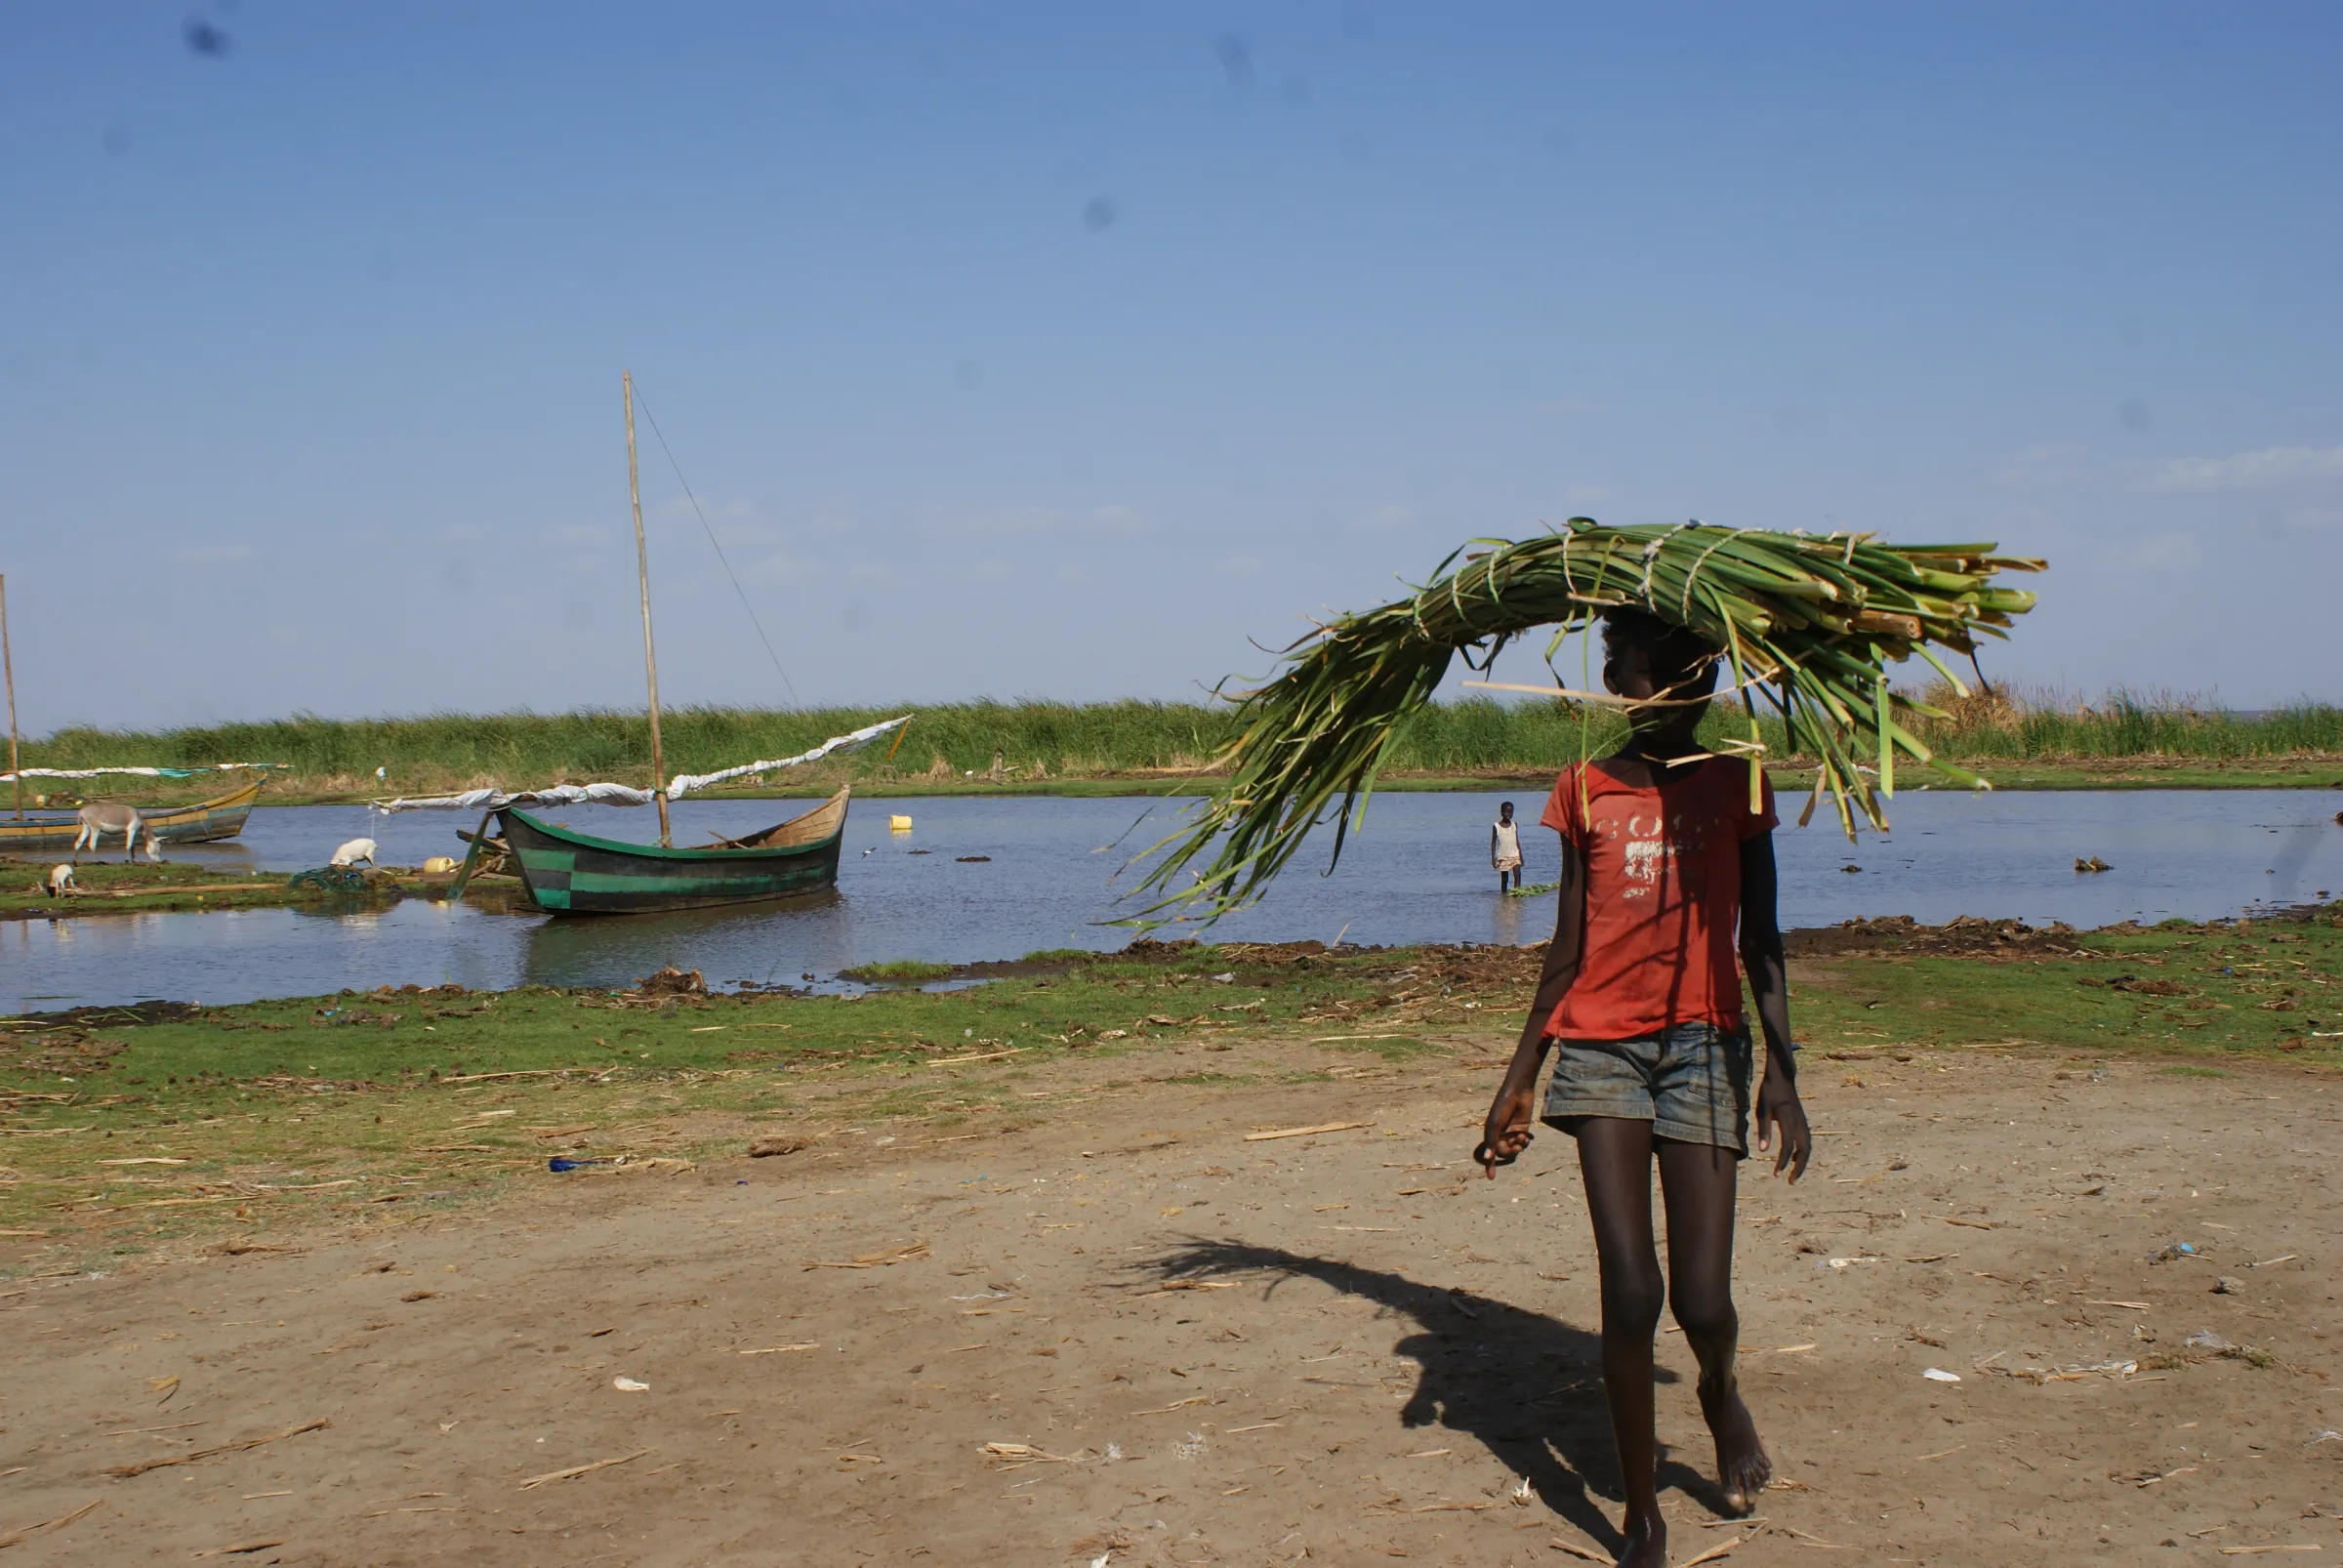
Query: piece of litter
(1940, 1375)
(900, 1254)
(2208, 1339)
(582, 1469)
(126, 1471)
(1304, 1132)
(46, 1525)
(1715, 1551)
(628, 1385)
(1026, 1453)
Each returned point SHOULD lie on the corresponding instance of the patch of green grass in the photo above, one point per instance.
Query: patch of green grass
(2252, 989)
(1391, 1047)
(1058, 955)
(140, 886)
(898, 970)
(2193, 1072)
(364, 1107)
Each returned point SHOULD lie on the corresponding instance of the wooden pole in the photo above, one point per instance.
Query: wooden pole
(650, 658)
(7, 660)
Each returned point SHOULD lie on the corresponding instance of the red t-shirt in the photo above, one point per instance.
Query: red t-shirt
(1662, 874)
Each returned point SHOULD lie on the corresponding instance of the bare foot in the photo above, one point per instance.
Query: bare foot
(1645, 1544)
(1742, 1467)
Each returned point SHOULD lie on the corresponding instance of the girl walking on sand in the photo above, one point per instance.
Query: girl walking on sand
(1663, 855)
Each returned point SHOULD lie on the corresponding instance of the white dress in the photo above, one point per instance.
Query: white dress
(1508, 845)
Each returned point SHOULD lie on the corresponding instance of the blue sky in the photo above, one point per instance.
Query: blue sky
(1020, 351)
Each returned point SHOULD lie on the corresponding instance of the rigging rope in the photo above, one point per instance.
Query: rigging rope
(719, 548)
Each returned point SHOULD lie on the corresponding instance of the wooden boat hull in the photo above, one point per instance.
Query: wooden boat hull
(222, 817)
(569, 873)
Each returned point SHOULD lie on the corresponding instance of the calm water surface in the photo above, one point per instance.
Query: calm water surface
(1417, 873)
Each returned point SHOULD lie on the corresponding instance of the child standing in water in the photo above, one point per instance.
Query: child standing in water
(1504, 846)
(1662, 856)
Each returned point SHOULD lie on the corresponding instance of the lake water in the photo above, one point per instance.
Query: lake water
(1419, 872)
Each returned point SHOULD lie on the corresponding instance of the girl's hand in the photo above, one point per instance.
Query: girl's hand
(1778, 1107)
(1507, 1132)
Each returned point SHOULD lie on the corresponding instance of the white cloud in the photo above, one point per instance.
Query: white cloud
(1387, 517)
(581, 547)
(2273, 468)
(210, 555)
(778, 569)
(2169, 551)
(835, 514)
(1106, 521)
(2054, 466)
(733, 523)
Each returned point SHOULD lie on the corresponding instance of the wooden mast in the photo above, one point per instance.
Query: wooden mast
(650, 658)
(7, 660)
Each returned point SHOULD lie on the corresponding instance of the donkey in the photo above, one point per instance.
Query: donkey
(105, 817)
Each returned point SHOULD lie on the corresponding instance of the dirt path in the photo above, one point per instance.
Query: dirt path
(1194, 1348)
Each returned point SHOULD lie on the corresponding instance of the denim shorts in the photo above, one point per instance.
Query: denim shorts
(1691, 1081)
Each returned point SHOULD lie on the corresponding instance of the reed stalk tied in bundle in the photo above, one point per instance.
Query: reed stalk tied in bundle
(1810, 623)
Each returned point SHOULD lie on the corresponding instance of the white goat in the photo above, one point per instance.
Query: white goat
(60, 882)
(356, 851)
(103, 818)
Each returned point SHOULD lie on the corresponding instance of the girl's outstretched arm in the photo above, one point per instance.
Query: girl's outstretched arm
(1506, 1132)
(1777, 1104)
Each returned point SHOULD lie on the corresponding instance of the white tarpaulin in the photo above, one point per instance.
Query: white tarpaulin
(497, 800)
(621, 794)
(140, 772)
(686, 783)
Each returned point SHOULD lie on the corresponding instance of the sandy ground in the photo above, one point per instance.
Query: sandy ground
(1195, 1348)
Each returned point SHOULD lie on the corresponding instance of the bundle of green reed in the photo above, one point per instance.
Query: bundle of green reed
(1809, 622)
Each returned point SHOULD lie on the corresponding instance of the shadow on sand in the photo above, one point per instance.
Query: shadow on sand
(1527, 1386)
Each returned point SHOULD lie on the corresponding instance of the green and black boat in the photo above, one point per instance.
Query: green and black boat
(570, 873)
